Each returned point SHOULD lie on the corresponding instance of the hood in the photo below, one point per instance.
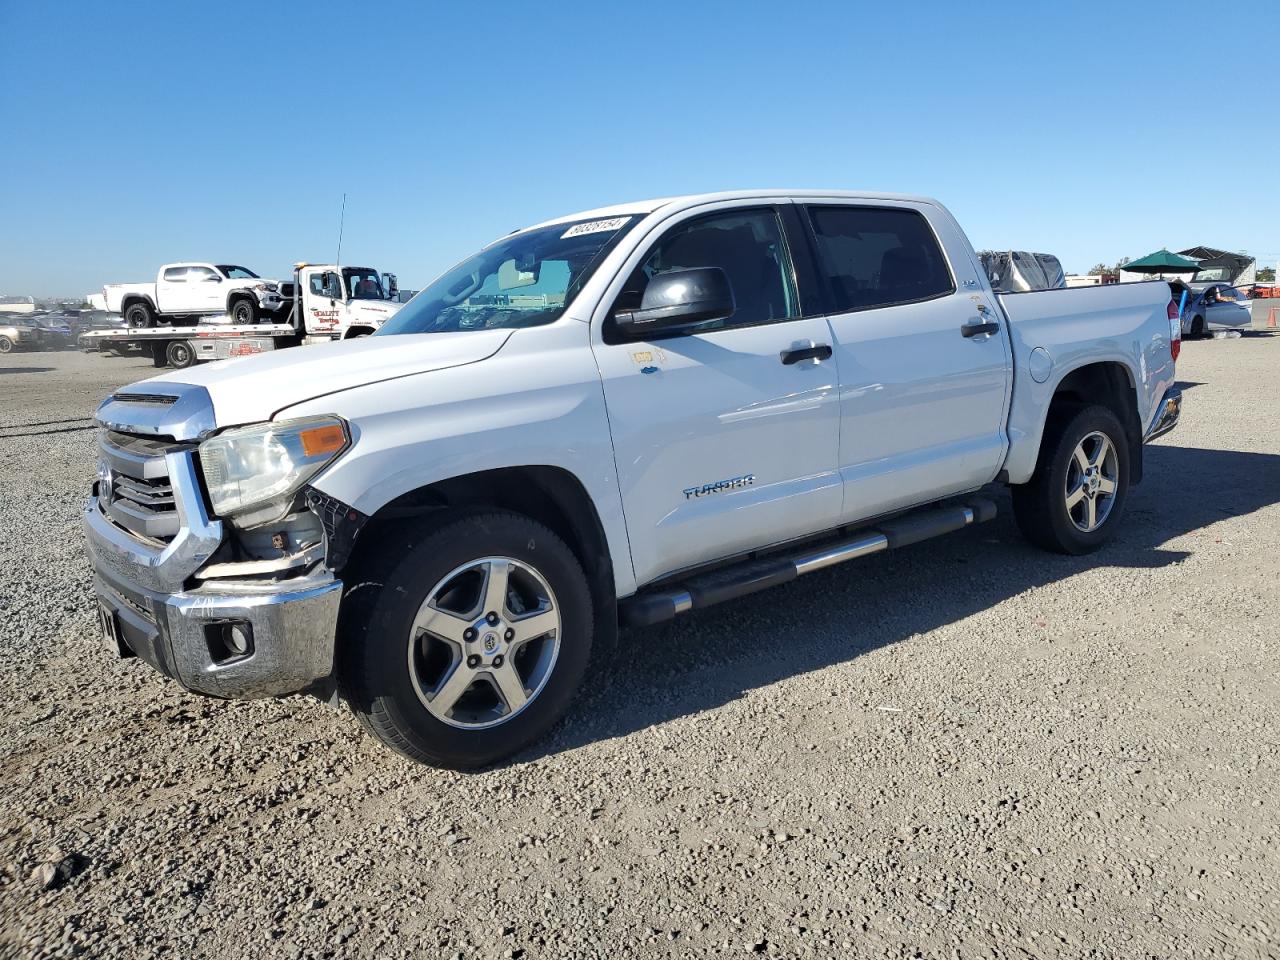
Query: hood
(253, 389)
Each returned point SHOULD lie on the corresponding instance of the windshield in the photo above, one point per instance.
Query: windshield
(1210, 274)
(524, 280)
(363, 283)
(232, 272)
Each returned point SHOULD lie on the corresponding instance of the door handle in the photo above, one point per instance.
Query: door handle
(973, 328)
(819, 351)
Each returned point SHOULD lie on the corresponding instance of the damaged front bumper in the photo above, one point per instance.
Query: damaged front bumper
(235, 639)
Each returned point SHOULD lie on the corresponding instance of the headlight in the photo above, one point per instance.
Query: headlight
(267, 287)
(252, 473)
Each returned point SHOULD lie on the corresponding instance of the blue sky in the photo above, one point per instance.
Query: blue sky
(137, 133)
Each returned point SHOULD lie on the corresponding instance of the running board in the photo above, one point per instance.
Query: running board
(730, 583)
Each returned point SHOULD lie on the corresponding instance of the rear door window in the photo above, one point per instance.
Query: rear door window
(877, 257)
(175, 274)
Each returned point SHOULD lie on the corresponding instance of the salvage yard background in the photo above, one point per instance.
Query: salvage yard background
(964, 749)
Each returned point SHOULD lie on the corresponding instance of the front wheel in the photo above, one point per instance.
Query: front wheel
(244, 311)
(475, 643)
(1074, 501)
(5, 344)
(1198, 329)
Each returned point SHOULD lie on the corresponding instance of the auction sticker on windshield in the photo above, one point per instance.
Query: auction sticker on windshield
(594, 226)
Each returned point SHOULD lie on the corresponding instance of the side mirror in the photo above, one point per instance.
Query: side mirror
(392, 286)
(681, 298)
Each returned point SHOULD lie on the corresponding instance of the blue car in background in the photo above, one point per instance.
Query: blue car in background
(1214, 306)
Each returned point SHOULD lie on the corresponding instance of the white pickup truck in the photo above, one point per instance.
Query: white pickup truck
(196, 289)
(613, 417)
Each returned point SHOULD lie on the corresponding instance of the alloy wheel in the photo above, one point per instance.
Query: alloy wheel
(484, 642)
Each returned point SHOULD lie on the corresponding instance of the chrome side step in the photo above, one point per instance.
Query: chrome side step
(729, 583)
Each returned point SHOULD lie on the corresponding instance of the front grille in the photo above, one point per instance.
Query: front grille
(137, 493)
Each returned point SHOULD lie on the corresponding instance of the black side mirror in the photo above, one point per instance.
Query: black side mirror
(681, 298)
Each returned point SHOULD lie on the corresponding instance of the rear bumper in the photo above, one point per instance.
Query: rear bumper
(1167, 413)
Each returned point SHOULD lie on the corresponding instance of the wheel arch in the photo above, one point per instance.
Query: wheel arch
(1110, 383)
(358, 330)
(131, 298)
(551, 495)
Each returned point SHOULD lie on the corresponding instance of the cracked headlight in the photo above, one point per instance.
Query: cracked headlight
(253, 473)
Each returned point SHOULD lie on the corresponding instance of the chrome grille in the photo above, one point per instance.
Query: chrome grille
(135, 490)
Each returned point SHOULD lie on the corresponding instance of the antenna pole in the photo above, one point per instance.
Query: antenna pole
(342, 217)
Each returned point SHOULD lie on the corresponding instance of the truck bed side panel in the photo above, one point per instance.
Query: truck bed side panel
(1121, 323)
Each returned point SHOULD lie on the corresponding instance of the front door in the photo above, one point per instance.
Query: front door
(322, 302)
(924, 357)
(205, 291)
(720, 445)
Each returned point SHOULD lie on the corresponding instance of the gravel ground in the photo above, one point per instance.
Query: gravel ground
(965, 749)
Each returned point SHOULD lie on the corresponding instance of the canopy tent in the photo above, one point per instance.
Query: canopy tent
(1162, 261)
(1234, 268)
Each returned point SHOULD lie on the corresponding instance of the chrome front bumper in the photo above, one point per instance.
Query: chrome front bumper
(1167, 414)
(148, 612)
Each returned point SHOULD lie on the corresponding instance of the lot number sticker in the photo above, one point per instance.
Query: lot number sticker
(594, 226)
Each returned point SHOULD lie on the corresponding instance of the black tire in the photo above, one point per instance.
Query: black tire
(244, 311)
(6, 345)
(179, 355)
(139, 314)
(1040, 505)
(1198, 330)
(374, 674)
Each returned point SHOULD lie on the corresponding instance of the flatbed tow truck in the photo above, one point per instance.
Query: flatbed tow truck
(329, 303)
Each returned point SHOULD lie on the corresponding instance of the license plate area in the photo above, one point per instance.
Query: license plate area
(112, 635)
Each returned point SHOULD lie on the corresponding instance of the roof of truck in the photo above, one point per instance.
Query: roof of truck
(644, 207)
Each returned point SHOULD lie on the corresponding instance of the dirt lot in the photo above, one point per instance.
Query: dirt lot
(968, 749)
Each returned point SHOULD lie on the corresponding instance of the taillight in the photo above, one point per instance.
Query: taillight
(1175, 330)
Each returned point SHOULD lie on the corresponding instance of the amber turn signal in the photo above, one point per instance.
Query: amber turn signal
(318, 441)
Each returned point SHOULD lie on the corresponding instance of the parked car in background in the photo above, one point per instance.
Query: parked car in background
(196, 290)
(55, 332)
(1214, 306)
(16, 336)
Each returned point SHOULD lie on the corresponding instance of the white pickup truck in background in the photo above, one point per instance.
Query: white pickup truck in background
(322, 302)
(184, 290)
(613, 417)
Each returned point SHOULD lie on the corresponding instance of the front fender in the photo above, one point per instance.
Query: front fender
(537, 402)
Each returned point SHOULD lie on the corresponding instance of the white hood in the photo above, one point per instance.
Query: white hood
(253, 389)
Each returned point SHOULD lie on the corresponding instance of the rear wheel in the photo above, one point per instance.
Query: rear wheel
(474, 645)
(1074, 501)
(244, 310)
(179, 354)
(138, 314)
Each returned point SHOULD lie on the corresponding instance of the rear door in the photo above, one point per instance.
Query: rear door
(723, 442)
(172, 289)
(925, 361)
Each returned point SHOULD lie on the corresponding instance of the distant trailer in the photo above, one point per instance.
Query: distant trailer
(183, 346)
